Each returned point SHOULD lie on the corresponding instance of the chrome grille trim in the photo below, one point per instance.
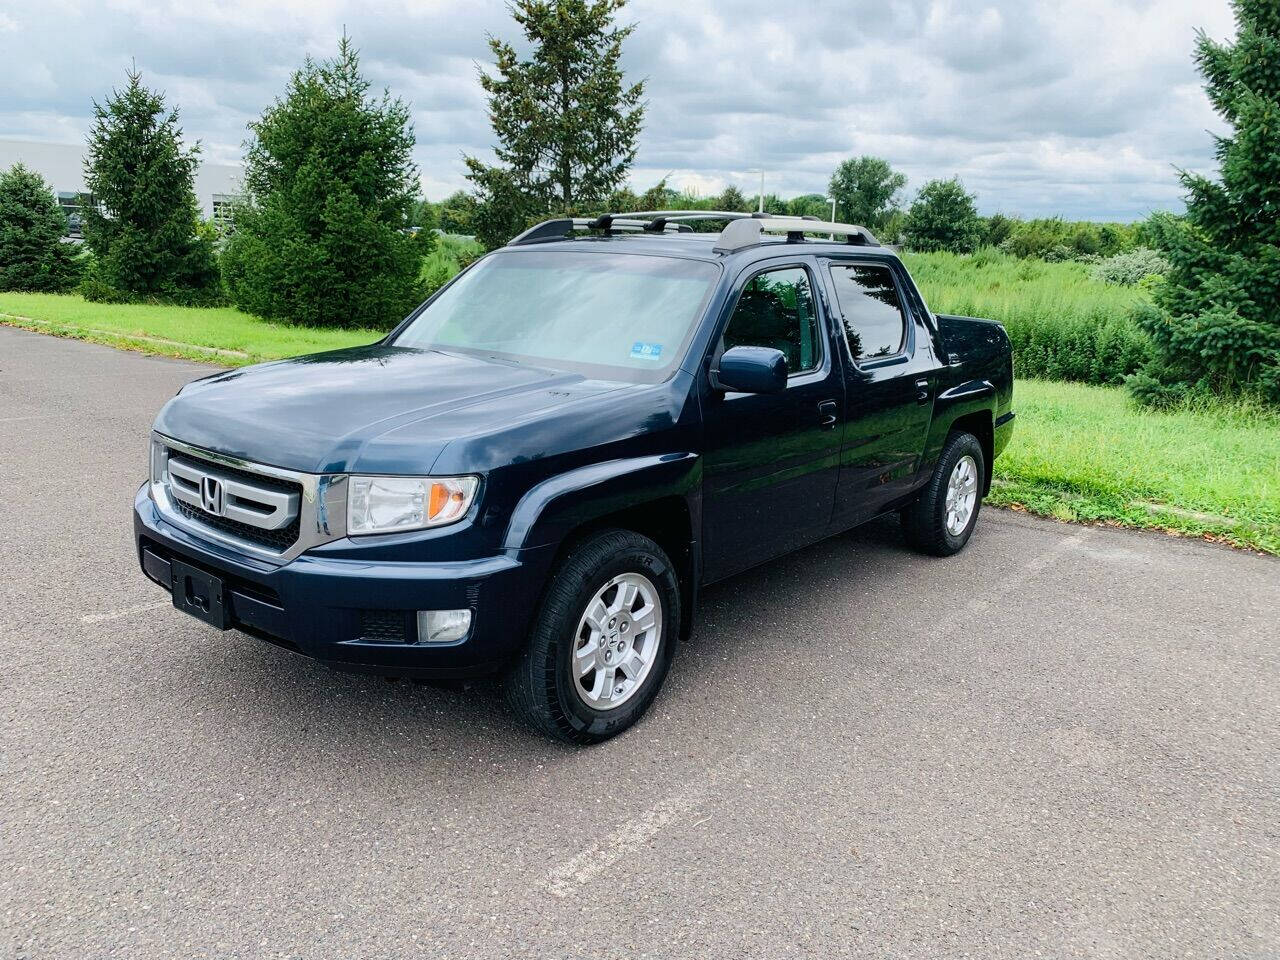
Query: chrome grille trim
(320, 509)
(243, 502)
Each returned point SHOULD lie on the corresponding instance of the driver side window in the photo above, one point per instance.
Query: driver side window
(775, 309)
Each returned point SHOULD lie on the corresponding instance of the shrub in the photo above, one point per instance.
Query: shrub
(996, 230)
(943, 217)
(1130, 269)
(97, 290)
(1056, 240)
(33, 254)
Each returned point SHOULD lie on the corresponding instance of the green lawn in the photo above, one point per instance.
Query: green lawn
(1086, 453)
(1079, 452)
(223, 335)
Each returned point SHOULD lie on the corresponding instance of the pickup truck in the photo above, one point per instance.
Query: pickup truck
(537, 471)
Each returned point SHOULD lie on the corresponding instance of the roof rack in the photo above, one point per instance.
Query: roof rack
(745, 233)
(742, 229)
(564, 227)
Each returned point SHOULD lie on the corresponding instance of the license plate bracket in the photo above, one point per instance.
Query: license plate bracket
(199, 593)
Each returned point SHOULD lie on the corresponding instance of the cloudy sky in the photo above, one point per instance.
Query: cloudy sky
(1041, 107)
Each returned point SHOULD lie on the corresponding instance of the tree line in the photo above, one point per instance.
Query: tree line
(330, 230)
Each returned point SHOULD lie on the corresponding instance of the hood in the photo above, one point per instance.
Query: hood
(381, 409)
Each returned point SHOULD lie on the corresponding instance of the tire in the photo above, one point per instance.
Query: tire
(929, 524)
(589, 590)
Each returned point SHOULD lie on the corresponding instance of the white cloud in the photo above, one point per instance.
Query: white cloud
(1082, 109)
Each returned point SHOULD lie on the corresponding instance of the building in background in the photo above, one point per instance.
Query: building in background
(62, 166)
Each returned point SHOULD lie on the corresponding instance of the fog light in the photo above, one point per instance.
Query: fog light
(443, 626)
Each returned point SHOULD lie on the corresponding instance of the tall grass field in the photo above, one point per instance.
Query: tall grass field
(1064, 325)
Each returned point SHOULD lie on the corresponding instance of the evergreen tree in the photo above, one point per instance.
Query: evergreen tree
(424, 214)
(321, 237)
(865, 190)
(943, 217)
(565, 122)
(144, 226)
(33, 255)
(458, 213)
(732, 200)
(1216, 323)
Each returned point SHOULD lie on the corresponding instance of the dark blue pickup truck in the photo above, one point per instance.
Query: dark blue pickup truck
(538, 470)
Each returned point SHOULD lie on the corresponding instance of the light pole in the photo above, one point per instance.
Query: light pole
(833, 213)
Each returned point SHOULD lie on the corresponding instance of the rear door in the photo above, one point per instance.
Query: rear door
(770, 461)
(891, 377)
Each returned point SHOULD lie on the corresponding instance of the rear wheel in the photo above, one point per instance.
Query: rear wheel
(942, 520)
(602, 642)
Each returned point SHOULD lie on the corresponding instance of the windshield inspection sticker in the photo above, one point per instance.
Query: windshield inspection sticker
(646, 351)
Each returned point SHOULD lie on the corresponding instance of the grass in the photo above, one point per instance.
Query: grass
(439, 266)
(1063, 324)
(221, 334)
(1086, 453)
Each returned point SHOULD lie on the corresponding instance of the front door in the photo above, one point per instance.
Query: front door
(770, 461)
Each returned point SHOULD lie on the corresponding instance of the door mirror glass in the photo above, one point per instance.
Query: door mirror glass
(752, 370)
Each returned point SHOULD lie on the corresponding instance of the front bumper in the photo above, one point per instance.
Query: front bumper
(343, 611)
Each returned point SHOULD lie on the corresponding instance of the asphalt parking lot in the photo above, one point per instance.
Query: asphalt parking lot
(1062, 742)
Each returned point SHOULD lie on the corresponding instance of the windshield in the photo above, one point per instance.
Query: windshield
(611, 315)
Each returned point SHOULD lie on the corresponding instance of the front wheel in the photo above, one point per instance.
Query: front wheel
(602, 642)
(941, 521)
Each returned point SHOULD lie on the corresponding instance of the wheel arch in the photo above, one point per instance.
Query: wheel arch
(656, 497)
(981, 425)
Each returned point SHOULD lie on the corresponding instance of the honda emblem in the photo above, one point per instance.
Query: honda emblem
(212, 497)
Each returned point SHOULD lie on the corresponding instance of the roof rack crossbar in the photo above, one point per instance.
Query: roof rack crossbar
(563, 227)
(748, 232)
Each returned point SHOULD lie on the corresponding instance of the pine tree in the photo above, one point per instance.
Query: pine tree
(565, 121)
(321, 237)
(33, 255)
(144, 229)
(1216, 321)
(733, 201)
(865, 190)
(943, 217)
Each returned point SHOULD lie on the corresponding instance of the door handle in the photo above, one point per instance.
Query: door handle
(828, 412)
(922, 390)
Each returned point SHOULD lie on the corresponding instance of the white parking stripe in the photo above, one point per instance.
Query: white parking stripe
(124, 612)
(568, 877)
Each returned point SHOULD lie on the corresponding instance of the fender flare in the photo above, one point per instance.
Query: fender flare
(552, 509)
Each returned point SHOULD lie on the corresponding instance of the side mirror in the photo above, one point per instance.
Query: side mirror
(751, 370)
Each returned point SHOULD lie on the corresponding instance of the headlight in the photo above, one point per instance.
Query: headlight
(389, 504)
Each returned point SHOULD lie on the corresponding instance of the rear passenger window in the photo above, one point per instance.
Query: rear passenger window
(776, 310)
(871, 313)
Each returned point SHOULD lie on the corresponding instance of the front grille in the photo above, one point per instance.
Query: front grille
(385, 626)
(257, 479)
(278, 540)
